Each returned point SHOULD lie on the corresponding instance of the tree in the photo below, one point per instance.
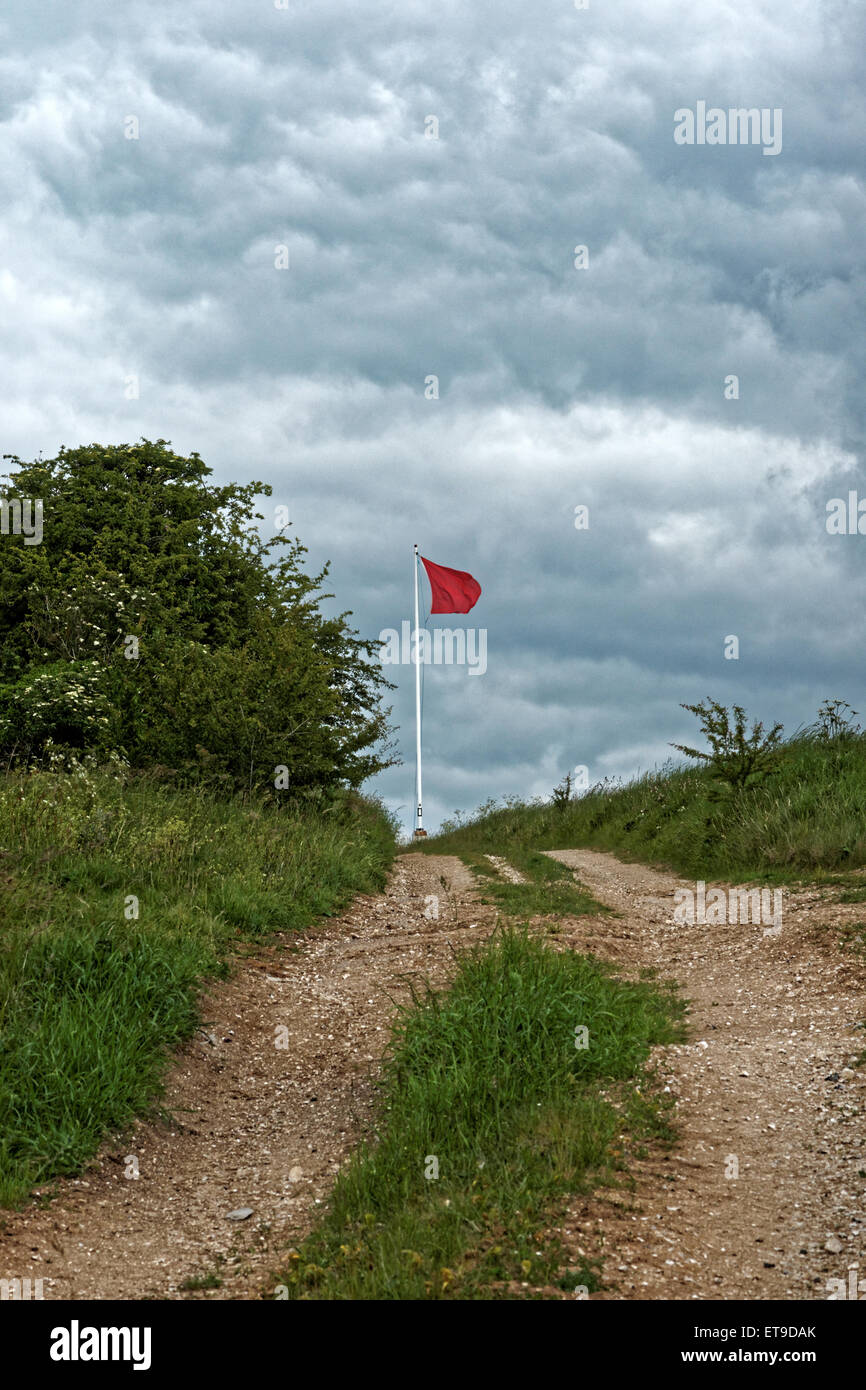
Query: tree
(735, 758)
(562, 793)
(155, 622)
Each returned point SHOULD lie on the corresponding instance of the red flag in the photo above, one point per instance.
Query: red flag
(454, 591)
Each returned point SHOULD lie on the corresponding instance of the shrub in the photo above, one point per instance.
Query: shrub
(154, 621)
(736, 758)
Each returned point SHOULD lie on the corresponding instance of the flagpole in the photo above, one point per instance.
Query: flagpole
(419, 827)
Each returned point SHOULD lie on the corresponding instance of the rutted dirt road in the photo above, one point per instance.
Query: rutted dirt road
(279, 1087)
(765, 1078)
(270, 1098)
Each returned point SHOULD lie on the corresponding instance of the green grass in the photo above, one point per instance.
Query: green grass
(807, 821)
(550, 888)
(92, 1000)
(485, 1086)
(197, 1282)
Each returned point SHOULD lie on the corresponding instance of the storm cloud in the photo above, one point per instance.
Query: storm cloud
(259, 231)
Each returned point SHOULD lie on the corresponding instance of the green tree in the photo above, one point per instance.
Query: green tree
(736, 758)
(562, 793)
(155, 622)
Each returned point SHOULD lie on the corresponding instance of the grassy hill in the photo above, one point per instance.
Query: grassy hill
(806, 820)
(120, 897)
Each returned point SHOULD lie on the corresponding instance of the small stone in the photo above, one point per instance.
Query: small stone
(834, 1245)
(295, 1174)
(243, 1212)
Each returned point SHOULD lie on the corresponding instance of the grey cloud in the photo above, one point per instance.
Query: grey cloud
(455, 257)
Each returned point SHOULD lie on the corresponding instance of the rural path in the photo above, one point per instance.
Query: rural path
(766, 1077)
(272, 1096)
(269, 1099)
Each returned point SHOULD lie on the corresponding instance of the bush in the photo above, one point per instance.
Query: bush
(62, 704)
(154, 622)
(736, 758)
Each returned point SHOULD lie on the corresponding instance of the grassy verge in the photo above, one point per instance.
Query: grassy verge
(805, 822)
(491, 1113)
(93, 996)
(550, 888)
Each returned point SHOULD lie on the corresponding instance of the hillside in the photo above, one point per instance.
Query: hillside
(807, 819)
(121, 899)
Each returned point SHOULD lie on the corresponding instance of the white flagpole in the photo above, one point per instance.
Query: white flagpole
(419, 826)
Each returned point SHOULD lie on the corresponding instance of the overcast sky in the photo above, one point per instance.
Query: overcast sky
(308, 127)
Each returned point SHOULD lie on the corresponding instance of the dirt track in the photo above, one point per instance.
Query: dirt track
(271, 1098)
(266, 1116)
(772, 1018)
